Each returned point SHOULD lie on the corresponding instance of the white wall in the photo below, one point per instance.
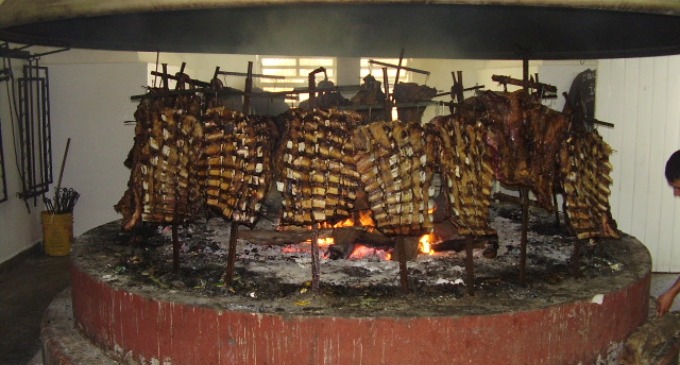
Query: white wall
(641, 96)
(89, 103)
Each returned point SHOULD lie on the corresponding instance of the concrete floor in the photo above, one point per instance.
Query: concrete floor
(27, 289)
(661, 282)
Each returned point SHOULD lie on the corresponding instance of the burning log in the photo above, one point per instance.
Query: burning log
(340, 235)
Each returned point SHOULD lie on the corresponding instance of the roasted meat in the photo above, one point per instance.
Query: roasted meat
(412, 93)
(237, 163)
(464, 161)
(585, 170)
(395, 165)
(317, 176)
(525, 138)
(164, 183)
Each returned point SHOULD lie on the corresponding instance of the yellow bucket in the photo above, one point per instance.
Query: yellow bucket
(57, 233)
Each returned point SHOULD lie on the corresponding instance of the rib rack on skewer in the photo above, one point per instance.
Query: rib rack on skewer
(185, 159)
(237, 163)
(164, 185)
(395, 165)
(318, 178)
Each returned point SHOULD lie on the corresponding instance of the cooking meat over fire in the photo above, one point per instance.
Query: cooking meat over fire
(237, 163)
(464, 161)
(525, 138)
(164, 185)
(318, 176)
(586, 182)
(182, 162)
(395, 165)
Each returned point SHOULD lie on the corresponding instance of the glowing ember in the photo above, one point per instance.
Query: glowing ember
(364, 252)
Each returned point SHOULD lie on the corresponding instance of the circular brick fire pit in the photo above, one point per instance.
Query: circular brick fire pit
(553, 319)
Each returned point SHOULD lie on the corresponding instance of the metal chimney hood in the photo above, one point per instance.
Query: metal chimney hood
(484, 29)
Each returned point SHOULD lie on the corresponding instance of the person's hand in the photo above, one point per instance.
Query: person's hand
(664, 303)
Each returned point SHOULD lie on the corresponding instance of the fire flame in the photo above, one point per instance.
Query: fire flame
(325, 241)
(425, 243)
(364, 219)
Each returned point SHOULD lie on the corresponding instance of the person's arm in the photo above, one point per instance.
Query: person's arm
(665, 300)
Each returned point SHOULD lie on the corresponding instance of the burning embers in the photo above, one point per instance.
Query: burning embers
(327, 165)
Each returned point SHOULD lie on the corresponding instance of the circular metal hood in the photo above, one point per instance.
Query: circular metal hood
(500, 29)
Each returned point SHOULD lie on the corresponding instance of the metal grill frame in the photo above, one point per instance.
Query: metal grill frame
(3, 179)
(35, 131)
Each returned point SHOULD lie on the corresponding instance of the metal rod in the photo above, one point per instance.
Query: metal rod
(403, 267)
(209, 91)
(461, 97)
(63, 163)
(3, 180)
(47, 126)
(399, 66)
(606, 124)
(231, 258)
(248, 88)
(557, 211)
(229, 73)
(311, 85)
(175, 249)
(525, 74)
(524, 192)
(507, 80)
(30, 115)
(469, 267)
(166, 76)
(388, 105)
(158, 55)
(51, 52)
(304, 90)
(316, 265)
(576, 259)
(374, 62)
